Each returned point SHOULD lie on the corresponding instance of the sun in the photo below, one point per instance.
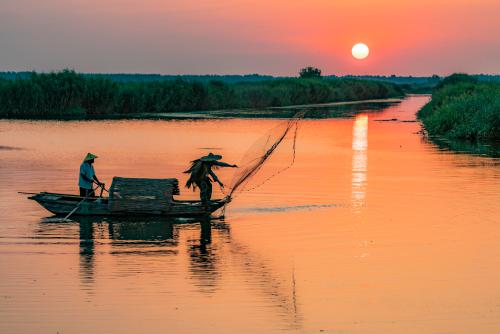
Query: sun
(360, 51)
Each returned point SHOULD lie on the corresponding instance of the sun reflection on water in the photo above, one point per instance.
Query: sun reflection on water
(359, 161)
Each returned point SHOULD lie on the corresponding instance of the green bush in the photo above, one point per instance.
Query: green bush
(463, 109)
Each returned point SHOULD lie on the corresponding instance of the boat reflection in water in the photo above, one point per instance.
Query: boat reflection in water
(359, 162)
(159, 245)
(145, 236)
(87, 246)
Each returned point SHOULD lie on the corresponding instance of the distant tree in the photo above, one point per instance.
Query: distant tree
(310, 72)
(434, 79)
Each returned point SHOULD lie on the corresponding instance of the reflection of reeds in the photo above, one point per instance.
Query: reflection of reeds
(480, 148)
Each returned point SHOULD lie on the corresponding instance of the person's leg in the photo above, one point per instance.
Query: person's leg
(209, 190)
(203, 185)
(87, 192)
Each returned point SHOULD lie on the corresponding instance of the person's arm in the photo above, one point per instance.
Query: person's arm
(223, 164)
(97, 180)
(215, 178)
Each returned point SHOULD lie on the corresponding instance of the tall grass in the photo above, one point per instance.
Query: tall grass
(463, 108)
(67, 94)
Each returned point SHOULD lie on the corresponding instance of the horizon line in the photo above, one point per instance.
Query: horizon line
(243, 74)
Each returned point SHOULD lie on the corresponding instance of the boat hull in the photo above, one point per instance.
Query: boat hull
(63, 204)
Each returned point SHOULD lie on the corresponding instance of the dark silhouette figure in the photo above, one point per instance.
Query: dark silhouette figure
(202, 174)
(87, 176)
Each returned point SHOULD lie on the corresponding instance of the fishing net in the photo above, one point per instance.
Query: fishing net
(258, 158)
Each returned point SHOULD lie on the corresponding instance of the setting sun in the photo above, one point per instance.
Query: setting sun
(360, 51)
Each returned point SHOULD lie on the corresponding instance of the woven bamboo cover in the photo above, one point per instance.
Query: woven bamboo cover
(133, 195)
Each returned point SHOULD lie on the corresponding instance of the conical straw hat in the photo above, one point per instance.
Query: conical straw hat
(211, 157)
(90, 156)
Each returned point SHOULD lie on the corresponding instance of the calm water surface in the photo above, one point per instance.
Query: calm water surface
(373, 230)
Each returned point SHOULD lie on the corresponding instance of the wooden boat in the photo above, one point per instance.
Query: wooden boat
(130, 197)
(62, 204)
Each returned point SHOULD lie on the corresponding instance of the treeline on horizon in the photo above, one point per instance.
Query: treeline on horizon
(237, 78)
(463, 108)
(144, 77)
(67, 94)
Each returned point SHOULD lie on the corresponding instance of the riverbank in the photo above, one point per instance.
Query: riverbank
(69, 95)
(314, 111)
(463, 108)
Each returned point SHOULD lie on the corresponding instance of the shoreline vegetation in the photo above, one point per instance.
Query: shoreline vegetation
(70, 95)
(463, 108)
(314, 111)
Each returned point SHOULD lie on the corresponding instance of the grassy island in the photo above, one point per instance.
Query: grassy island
(463, 108)
(70, 95)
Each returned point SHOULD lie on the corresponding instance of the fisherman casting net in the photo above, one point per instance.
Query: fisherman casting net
(258, 158)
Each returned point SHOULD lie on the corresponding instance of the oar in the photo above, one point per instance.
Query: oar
(83, 200)
(78, 205)
(25, 193)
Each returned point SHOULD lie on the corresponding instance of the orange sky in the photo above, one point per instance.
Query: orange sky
(243, 36)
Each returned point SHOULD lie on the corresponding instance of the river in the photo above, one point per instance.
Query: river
(374, 229)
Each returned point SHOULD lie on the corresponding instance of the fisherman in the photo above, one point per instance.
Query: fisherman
(201, 171)
(87, 177)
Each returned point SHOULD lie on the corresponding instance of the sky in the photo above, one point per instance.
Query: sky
(278, 37)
